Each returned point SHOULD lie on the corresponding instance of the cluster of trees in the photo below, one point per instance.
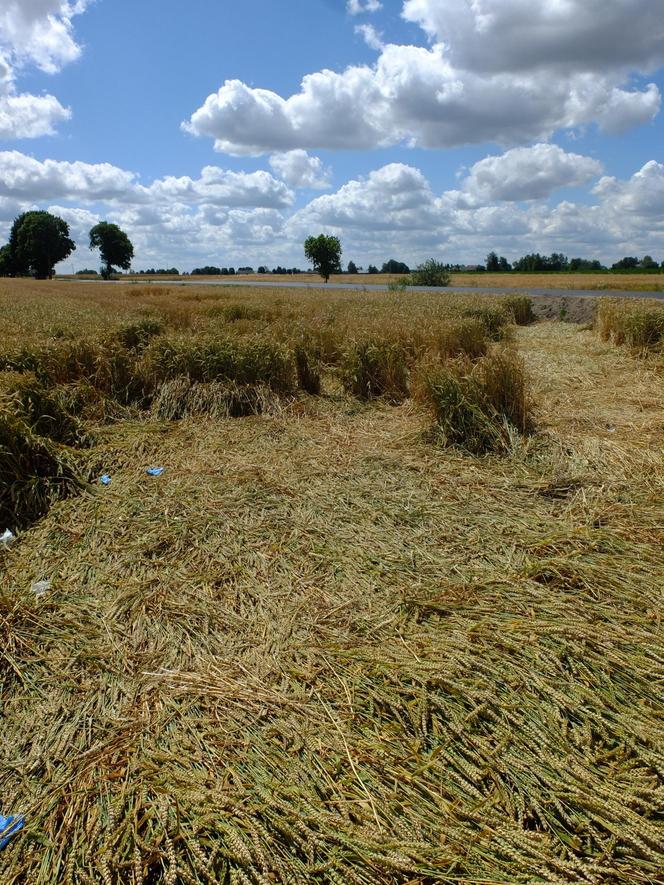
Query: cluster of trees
(495, 264)
(161, 271)
(631, 263)
(557, 262)
(393, 266)
(209, 270)
(279, 269)
(39, 240)
(536, 262)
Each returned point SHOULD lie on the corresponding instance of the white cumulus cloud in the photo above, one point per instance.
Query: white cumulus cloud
(418, 96)
(228, 218)
(298, 169)
(358, 7)
(371, 37)
(640, 197)
(38, 33)
(531, 173)
(25, 178)
(565, 35)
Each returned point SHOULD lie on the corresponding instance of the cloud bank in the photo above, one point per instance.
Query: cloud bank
(504, 202)
(502, 71)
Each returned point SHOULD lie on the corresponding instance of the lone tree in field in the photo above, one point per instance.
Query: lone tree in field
(114, 247)
(324, 252)
(37, 242)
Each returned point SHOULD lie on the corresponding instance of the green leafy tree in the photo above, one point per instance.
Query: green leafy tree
(114, 247)
(352, 267)
(431, 273)
(627, 263)
(37, 242)
(324, 252)
(648, 263)
(6, 263)
(492, 263)
(393, 266)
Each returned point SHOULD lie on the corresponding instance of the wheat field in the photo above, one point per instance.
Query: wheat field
(326, 645)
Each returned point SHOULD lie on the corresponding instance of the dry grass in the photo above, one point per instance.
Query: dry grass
(479, 407)
(589, 281)
(639, 325)
(319, 649)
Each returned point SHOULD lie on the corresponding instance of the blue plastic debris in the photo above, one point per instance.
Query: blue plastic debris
(9, 827)
(155, 471)
(105, 480)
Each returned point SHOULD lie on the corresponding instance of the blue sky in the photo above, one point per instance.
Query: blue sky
(224, 133)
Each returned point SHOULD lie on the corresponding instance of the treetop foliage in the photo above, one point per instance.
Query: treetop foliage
(393, 266)
(37, 242)
(114, 247)
(324, 252)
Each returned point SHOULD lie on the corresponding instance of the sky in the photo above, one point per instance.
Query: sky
(225, 133)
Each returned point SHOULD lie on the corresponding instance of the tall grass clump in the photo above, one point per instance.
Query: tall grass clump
(640, 327)
(475, 405)
(519, 309)
(45, 412)
(105, 364)
(179, 398)
(463, 338)
(254, 361)
(398, 286)
(308, 366)
(375, 368)
(493, 320)
(136, 336)
(34, 473)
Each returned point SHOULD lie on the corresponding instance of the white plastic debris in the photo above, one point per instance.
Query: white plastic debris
(41, 588)
(7, 539)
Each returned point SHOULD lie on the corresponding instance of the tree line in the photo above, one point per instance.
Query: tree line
(559, 263)
(38, 241)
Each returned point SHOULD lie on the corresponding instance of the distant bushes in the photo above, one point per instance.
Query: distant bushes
(431, 273)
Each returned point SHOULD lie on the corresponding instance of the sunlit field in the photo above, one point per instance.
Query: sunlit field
(390, 614)
(590, 281)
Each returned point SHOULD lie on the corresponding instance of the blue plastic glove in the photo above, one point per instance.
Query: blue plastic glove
(154, 471)
(9, 827)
